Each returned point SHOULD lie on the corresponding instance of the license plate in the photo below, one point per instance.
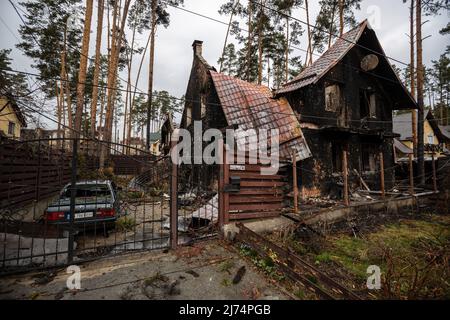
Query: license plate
(82, 215)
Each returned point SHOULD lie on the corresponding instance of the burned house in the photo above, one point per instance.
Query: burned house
(344, 101)
(221, 101)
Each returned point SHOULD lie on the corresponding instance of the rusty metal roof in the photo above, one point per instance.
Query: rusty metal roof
(251, 106)
(327, 61)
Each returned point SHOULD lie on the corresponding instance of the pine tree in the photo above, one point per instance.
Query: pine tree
(51, 38)
(265, 48)
(440, 77)
(229, 60)
(328, 21)
(98, 43)
(428, 7)
(83, 68)
(10, 82)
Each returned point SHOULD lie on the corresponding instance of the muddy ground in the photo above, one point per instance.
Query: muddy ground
(206, 270)
(412, 251)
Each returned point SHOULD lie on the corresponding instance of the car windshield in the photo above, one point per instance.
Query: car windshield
(88, 190)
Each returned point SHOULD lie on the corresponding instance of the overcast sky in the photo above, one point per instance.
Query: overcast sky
(173, 57)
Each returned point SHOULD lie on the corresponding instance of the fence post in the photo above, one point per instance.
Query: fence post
(382, 174)
(345, 175)
(221, 187)
(434, 172)
(173, 200)
(411, 175)
(73, 183)
(294, 181)
(226, 195)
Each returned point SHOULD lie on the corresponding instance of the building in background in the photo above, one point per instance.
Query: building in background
(12, 119)
(435, 139)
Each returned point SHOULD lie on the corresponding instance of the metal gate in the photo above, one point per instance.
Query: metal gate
(246, 193)
(47, 220)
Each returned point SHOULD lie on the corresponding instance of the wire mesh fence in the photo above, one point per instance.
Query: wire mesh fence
(55, 211)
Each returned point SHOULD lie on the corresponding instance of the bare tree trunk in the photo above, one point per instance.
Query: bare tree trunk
(308, 62)
(134, 92)
(83, 67)
(331, 25)
(59, 115)
(66, 80)
(412, 76)
(341, 17)
(150, 72)
(116, 41)
(420, 79)
(102, 107)
(128, 94)
(260, 48)
(226, 36)
(249, 41)
(98, 43)
(287, 51)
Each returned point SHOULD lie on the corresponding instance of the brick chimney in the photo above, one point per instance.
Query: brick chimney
(197, 45)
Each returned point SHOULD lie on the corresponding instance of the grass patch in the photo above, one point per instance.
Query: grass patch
(156, 278)
(225, 282)
(299, 293)
(412, 254)
(323, 257)
(125, 224)
(267, 264)
(226, 266)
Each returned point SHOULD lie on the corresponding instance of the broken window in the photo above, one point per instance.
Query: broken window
(188, 116)
(11, 128)
(336, 152)
(368, 104)
(332, 98)
(203, 107)
(368, 158)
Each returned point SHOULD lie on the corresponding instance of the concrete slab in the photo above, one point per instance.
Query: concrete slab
(203, 271)
(268, 225)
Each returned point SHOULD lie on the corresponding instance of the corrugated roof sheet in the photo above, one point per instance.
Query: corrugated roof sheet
(251, 106)
(327, 61)
(445, 131)
(403, 148)
(402, 125)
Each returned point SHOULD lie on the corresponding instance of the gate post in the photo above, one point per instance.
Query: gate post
(221, 185)
(73, 182)
(173, 199)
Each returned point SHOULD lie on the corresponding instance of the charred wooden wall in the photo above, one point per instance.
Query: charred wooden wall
(202, 100)
(323, 128)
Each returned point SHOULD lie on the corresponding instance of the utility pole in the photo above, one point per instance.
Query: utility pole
(341, 17)
(420, 79)
(249, 41)
(412, 76)
(150, 72)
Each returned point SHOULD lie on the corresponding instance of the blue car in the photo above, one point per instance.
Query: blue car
(96, 205)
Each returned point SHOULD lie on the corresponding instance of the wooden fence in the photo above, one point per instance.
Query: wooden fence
(246, 193)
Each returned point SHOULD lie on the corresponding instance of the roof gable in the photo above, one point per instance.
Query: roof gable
(9, 103)
(402, 124)
(364, 37)
(251, 106)
(327, 61)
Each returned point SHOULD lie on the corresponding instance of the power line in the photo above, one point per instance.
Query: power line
(328, 32)
(211, 103)
(204, 16)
